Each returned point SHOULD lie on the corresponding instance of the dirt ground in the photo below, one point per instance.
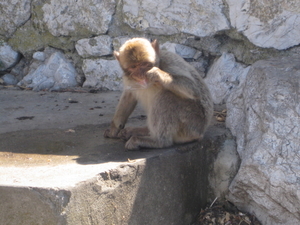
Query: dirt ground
(224, 213)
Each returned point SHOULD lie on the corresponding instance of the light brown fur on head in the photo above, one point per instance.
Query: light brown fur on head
(136, 51)
(136, 57)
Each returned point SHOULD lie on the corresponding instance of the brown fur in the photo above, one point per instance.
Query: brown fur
(177, 102)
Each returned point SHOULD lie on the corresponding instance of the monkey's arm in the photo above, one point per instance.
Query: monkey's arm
(179, 85)
(125, 107)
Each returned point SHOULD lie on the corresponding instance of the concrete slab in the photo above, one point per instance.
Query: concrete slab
(56, 167)
(27, 110)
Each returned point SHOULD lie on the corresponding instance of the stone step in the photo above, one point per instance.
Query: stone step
(57, 168)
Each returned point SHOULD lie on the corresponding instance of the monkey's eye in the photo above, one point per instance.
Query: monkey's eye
(132, 66)
(147, 65)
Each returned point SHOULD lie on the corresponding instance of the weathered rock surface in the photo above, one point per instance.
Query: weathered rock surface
(201, 18)
(98, 46)
(54, 74)
(267, 23)
(9, 79)
(225, 167)
(103, 74)
(13, 14)
(184, 51)
(79, 17)
(207, 44)
(8, 57)
(224, 76)
(30, 38)
(19, 71)
(40, 56)
(264, 115)
(119, 41)
(191, 54)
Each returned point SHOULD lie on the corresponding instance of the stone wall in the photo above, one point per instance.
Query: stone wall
(87, 32)
(248, 52)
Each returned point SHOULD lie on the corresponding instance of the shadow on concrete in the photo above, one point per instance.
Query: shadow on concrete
(178, 187)
(84, 144)
(168, 187)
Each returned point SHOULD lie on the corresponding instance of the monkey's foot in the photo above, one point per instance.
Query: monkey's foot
(125, 134)
(128, 132)
(111, 132)
(132, 143)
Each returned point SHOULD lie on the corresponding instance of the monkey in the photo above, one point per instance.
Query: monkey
(176, 100)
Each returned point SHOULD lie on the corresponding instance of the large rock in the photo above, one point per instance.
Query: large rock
(13, 14)
(102, 73)
(78, 18)
(224, 76)
(9, 79)
(182, 50)
(54, 74)
(201, 18)
(267, 23)
(30, 38)
(264, 115)
(98, 46)
(8, 57)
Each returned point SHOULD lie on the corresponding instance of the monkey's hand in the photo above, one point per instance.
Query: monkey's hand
(132, 143)
(125, 134)
(158, 76)
(138, 72)
(112, 131)
(128, 132)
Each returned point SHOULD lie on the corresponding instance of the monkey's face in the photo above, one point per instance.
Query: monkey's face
(137, 72)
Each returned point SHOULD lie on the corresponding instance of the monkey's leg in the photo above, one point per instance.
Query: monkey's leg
(187, 139)
(136, 142)
(125, 107)
(127, 132)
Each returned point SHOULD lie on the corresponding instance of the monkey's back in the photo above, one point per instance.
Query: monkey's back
(177, 66)
(171, 116)
(180, 117)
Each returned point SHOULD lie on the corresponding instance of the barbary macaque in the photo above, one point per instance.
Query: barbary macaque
(176, 100)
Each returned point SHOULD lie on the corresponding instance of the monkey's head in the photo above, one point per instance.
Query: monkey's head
(136, 56)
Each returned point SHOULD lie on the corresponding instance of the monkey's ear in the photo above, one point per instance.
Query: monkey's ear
(155, 45)
(116, 54)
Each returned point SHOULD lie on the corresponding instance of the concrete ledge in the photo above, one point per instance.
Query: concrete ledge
(73, 175)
